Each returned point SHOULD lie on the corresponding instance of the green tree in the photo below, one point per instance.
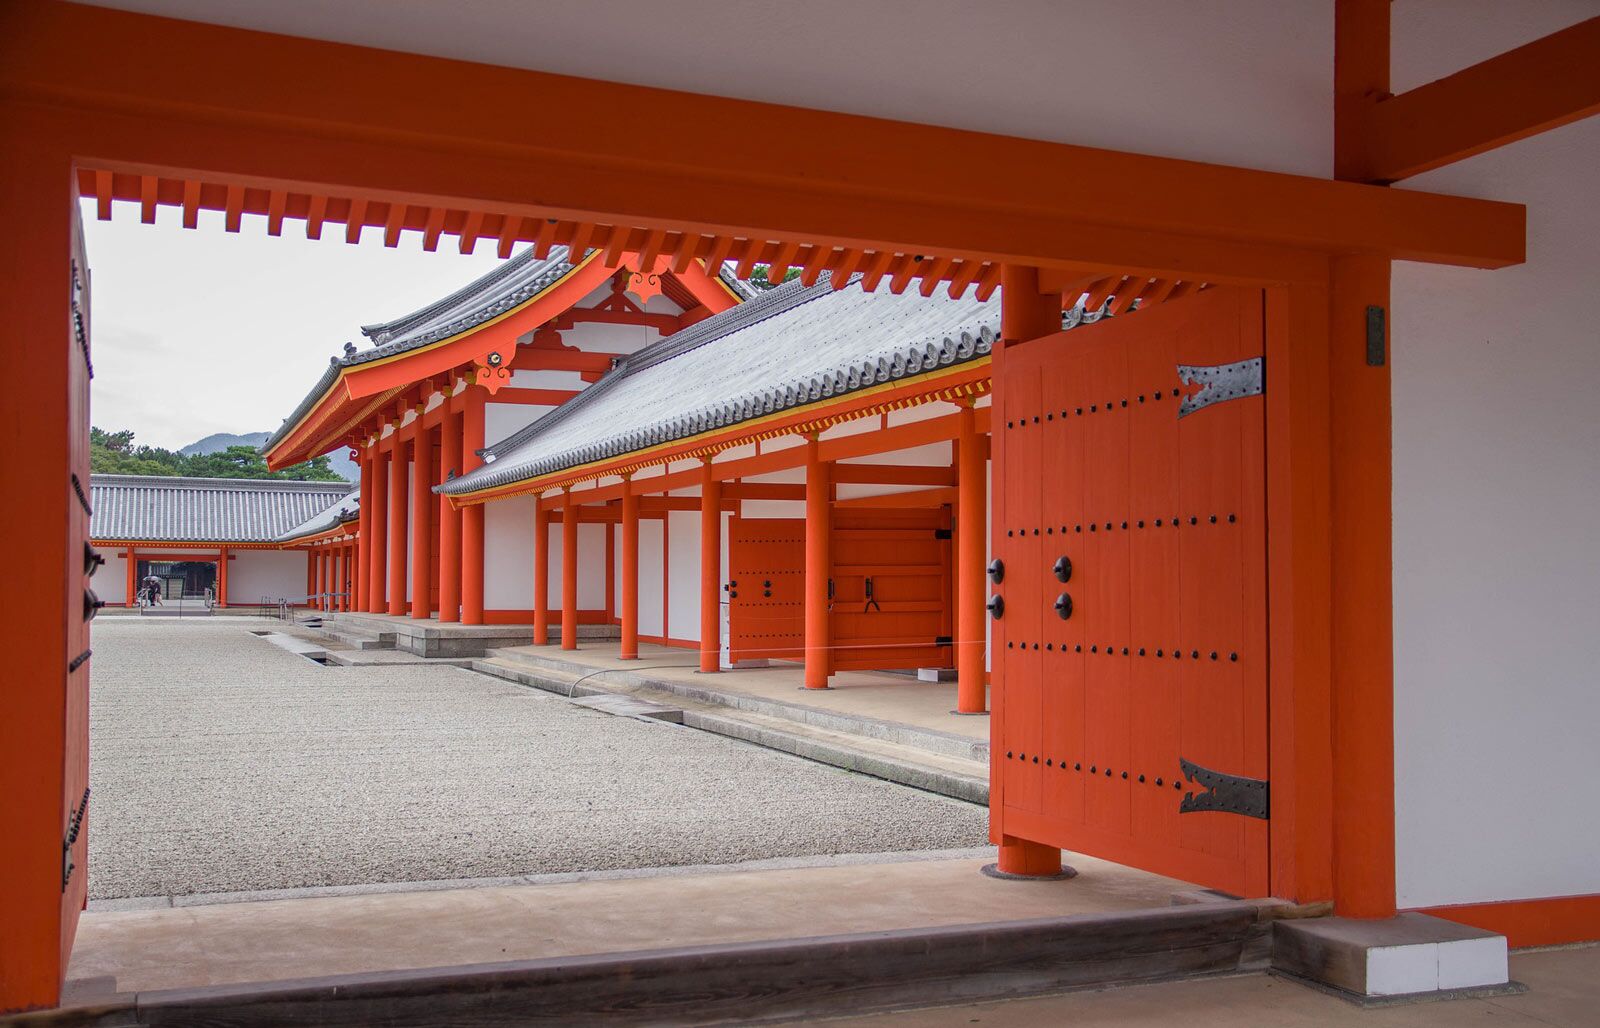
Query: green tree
(114, 453)
(758, 277)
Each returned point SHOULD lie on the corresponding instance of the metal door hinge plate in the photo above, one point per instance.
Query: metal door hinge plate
(1228, 794)
(1219, 382)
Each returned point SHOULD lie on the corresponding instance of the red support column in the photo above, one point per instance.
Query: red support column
(569, 573)
(363, 572)
(630, 571)
(1362, 616)
(541, 573)
(422, 502)
(1025, 313)
(710, 570)
(131, 598)
(1032, 859)
(322, 579)
(972, 696)
(399, 484)
(311, 577)
(449, 519)
(378, 544)
(222, 577)
(472, 515)
(819, 569)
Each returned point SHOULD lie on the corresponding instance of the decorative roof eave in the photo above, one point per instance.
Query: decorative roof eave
(970, 379)
(294, 430)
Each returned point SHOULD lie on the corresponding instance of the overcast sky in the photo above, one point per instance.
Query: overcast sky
(200, 330)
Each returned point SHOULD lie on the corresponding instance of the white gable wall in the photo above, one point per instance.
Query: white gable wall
(1496, 483)
(110, 583)
(278, 574)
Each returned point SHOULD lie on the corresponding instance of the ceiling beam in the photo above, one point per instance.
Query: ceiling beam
(1534, 88)
(251, 108)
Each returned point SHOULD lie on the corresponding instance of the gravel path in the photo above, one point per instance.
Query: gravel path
(222, 763)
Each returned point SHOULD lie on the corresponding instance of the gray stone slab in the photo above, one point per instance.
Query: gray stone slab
(629, 706)
(1408, 954)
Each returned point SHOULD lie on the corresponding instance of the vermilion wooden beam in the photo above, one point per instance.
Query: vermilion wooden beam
(252, 107)
(537, 397)
(891, 501)
(1543, 85)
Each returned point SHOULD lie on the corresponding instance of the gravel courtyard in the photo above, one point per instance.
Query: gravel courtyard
(221, 763)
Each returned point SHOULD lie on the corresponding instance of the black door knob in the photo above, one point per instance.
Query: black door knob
(997, 571)
(1064, 606)
(92, 561)
(997, 607)
(1063, 569)
(91, 604)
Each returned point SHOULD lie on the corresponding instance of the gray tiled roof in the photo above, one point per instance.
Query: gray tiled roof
(228, 510)
(787, 347)
(345, 508)
(512, 283)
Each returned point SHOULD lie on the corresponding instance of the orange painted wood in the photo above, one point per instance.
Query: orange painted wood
(1534, 88)
(1298, 414)
(918, 498)
(222, 578)
(900, 553)
(378, 543)
(472, 427)
(363, 570)
(399, 518)
(449, 518)
(541, 575)
(1125, 210)
(1164, 654)
(131, 588)
(422, 526)
(630, 572)
(1362, 623)
(1360, 80)
(902, 474)
(710, 571)
(819, 567)
(766, 588)
(569, 577)
(1554, 921)
(972, 583)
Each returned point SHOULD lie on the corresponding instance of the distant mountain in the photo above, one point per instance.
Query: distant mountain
(338, 461)
(220, 441)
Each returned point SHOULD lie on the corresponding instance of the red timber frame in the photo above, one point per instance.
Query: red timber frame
(246, 129)
(382, 410)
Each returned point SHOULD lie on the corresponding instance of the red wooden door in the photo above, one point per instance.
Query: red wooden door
(766, 588)
(1130, 705)
(81, 566)
(891, 589)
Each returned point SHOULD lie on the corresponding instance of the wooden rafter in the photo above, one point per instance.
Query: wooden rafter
(1540, 86)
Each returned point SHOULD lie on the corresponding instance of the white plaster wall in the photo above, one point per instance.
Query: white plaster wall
(683, 564)
(591, 567)
(591, 564)
(110, 583)
(753, 509)
(1244, 82)
(651, 584)
(502, 419)
(508, 554)
(279, 574)
(1496, 485)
